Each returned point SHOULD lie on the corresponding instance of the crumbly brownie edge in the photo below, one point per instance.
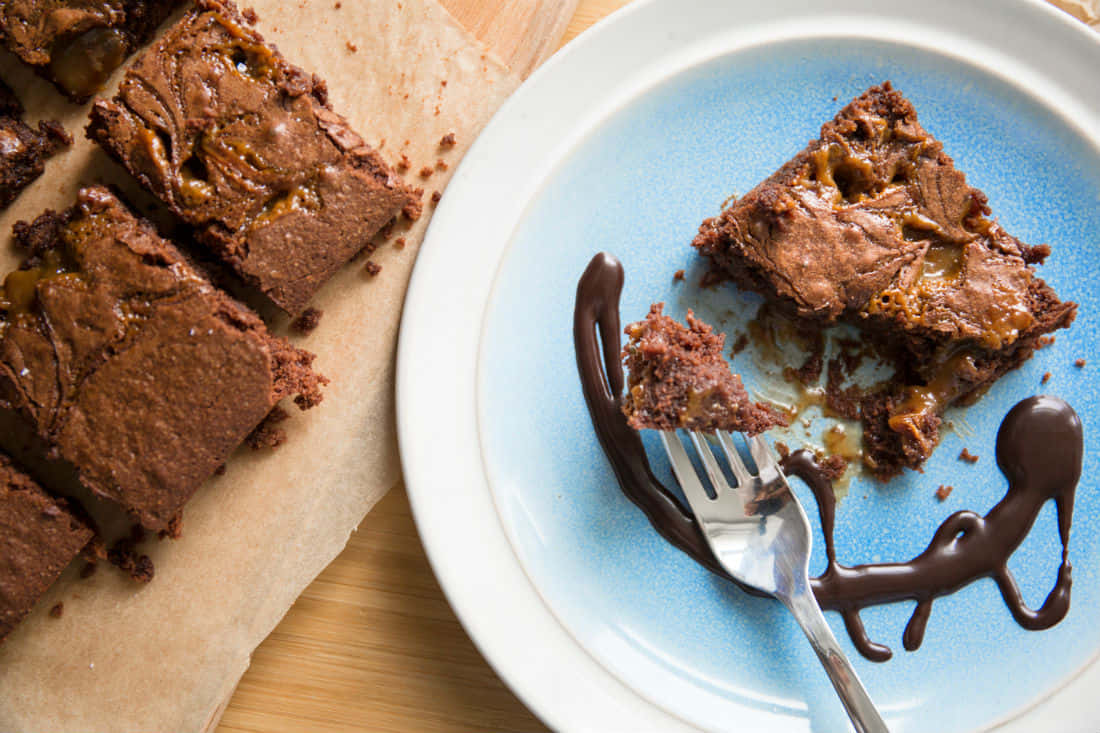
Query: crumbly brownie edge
(26, 149)
(18, 595)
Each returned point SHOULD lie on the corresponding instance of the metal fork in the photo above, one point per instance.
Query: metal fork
(760, 535)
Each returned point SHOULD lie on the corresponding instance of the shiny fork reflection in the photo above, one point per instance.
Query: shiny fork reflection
(759, 532)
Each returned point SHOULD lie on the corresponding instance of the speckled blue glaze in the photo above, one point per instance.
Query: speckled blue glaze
(637, 187)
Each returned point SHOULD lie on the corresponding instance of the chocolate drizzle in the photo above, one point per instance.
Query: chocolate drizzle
(1039, 450)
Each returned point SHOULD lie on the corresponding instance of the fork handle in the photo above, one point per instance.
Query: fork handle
(853, 695)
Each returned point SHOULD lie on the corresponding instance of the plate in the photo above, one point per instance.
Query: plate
(624, 142)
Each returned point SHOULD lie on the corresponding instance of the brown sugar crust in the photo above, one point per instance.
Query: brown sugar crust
(244, 147)
(129, 363)
(23, 149)
(77, 44)
(872, 224)
(678, 378)
(39, 536)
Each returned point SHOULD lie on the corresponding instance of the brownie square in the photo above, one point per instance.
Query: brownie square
(678, 378)
(23, 150)
(39, 536)
(872, 224)
(245, 148)
(77, 44)
(129, 363)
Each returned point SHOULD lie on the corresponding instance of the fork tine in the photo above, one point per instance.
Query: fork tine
(684, 471)
(766, 465)
(736, 464)
(714, 471)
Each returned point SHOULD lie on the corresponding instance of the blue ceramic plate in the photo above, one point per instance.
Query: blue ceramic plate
(636, 181)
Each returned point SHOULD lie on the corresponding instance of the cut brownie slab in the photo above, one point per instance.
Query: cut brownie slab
(677, 378)
(244, 147)
(23, 150)
(873, 224)
(77, 44)
(39, 536)
(129, 363)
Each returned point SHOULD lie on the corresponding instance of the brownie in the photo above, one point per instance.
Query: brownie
(77, 44)
(677, 378)
(245, 148)
(872, 224)
(39, 536)
(129, 363)
(23, 150)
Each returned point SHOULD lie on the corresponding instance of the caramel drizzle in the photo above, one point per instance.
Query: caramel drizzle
(1039, 450)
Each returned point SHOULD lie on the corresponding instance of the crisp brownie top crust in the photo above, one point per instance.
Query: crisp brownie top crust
(129, 363)
(244, 146)
(23, 150)
(873, 224)
(77, 44)
(39, 536)
(677, 378)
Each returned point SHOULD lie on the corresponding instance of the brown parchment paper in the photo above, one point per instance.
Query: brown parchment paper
(164, 657)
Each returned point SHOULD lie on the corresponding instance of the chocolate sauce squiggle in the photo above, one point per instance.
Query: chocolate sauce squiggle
(1039, 450)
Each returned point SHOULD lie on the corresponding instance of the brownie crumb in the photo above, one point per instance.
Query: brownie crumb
(678, 276)
(88, 570)
(436, 197)
(1044, 341)
(739, 345)
(967, 456)
(832, 467)
(175, 524)
(308, 321)
(267, 434)
(427, 171)
(810, 371)
(415, 207)
(1079, 363)
(399, 243)
(220, 470)
(351, 47)
(124, 555)
(782, 449)
(57, 610)
(441, 164)
(249, 14)
(944, 491)
(448, 140)
(847, 402)
(1045, 378)
(373, 268)
(404, 164)
(338, 5)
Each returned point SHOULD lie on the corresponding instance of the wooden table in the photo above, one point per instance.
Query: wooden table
(372, 644)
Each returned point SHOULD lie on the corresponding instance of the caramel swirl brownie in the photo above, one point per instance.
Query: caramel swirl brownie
(77, 44)
(130, 364)
(677, 378)
(872, 224)
(245, 148)
(39, 536)
(23, 150)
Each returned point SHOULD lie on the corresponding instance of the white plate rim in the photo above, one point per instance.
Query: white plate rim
(437, 414)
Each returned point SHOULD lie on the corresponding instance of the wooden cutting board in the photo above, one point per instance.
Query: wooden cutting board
(522, 33)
